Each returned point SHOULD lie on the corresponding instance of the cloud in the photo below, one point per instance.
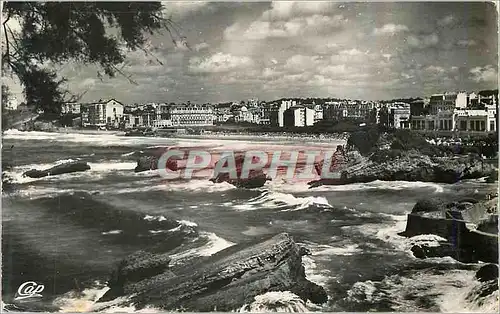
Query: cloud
(182, 8)
(298, 26)
(422, 41)
(435, 70)
(465, 43)
(284, 10)
(390, 29)
(201, 46)
(447, 20)
(487, 73)
(219, 62)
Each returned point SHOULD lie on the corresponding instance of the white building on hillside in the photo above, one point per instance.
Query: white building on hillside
(103, 113)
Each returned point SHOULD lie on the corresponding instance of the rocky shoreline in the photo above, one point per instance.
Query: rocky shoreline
(411, 166)
(225, 281)
(465, 230)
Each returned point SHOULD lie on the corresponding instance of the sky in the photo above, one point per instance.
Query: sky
(270, 50)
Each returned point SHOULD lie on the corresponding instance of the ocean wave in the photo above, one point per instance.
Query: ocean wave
(79, 302)
(86, 301)
(319, 276)
(198, 185)
(385, 232)
(213, 245)
(275, 301)
(301, 187)
(283, 201)
(331, 250)
(424, 290)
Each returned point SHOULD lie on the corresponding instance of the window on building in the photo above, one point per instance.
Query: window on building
(441, 126)
(471, 125)
(463, 125)
(483, 126)
(492, 125)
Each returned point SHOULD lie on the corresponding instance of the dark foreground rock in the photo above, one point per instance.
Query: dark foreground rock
(447, 220)
(256, 177)
(223, 282)
(69, 167)
(487, 272)
(412, 167)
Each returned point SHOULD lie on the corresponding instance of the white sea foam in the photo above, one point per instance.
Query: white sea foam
(314, 273)
(112, 166)
(199, 186)
(275, 301)
(449, 290)
(330, 250)
(153, 218)
(112, 232)
(282, 201)
(288, 186)
(429, 240)
(214, 244)
(73, 302)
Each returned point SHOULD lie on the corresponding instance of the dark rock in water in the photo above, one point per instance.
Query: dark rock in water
(222, 282)
(256, 177)
(69, 167)
(133, 269)
(492, 177)
(487, 272)
(489, 225)
(150, 162)
(146, 163)
(446, 220)
(428, 205)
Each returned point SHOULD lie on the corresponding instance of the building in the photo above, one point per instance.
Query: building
(71, 108)
(102, 113)
(265, 114)
(476, 120)
(448, 101)
(351, 109)
(277, 114)
(463, 120)
(223, 113)
(298, 116)
(422, 122)
(11, 103)
(399, 115)
(192, 115)
(243, 114)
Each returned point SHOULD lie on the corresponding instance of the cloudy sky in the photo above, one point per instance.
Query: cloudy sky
(280, 49)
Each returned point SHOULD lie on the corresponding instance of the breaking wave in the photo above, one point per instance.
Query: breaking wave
(283, 201)
(275, 301)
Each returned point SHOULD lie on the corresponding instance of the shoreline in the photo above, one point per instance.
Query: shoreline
(283, 136)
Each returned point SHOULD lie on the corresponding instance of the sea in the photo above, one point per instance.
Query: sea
(69, 231)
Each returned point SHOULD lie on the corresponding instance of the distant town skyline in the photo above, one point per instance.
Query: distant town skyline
(270, 50)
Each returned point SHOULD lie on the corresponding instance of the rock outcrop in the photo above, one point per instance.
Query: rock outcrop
(222, 282)
(150, 161)
(487, 272)
(411, 167)
(453, 223)
(256, 177)
(69, 167)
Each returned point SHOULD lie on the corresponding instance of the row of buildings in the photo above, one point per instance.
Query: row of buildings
(442, 112)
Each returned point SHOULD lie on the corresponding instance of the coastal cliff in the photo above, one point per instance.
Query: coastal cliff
(225, 281)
